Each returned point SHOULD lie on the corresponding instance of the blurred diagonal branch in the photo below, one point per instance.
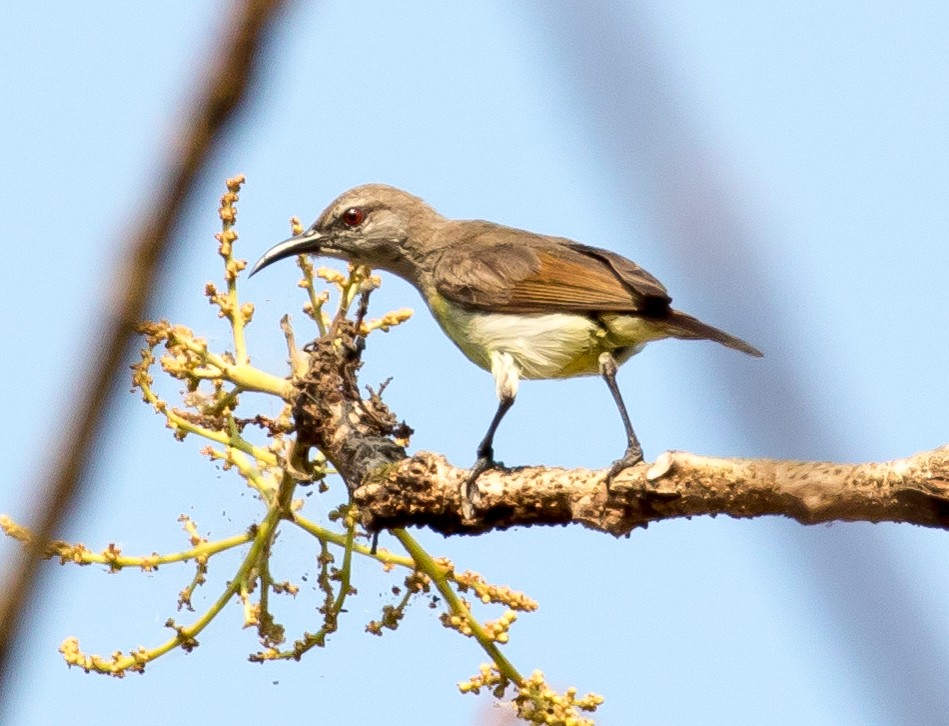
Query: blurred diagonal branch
(223, 86)
(427, 490)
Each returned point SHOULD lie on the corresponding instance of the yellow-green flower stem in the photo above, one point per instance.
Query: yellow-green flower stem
(251, 473)
(263, 572)
(117, 561)
(351, 288)
(280, 502)
(250, 378)
(267, 458)
(236, 445)
(312, 640)
(345, 574)
(425, 563)
(187, 633)
(316, 303)
(244, 376)
(341, 539)
(231, 268)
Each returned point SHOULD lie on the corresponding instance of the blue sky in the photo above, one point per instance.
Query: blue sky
(784, 171)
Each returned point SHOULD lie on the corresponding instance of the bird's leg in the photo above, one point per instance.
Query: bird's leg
(506, 374)
(634, 451)
(486, 450)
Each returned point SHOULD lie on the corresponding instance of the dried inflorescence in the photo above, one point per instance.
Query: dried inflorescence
(535, 702)
(328, 425)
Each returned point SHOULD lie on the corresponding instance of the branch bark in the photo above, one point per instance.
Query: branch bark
(426, 490)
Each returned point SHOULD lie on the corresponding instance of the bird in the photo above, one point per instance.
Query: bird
(519, 304)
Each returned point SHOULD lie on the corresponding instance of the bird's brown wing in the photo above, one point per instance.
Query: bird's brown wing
(488, 270)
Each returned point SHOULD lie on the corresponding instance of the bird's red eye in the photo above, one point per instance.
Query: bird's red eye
(353, 216)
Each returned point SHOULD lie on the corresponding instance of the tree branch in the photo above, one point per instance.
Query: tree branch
(426, 490)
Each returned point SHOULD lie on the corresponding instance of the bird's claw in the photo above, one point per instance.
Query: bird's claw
(633, 456)
(483, 464)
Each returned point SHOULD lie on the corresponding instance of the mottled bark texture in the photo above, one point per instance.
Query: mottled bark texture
(358, 437)
(426, 490)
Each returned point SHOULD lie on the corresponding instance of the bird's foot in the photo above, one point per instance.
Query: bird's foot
(633, 455)
(470, 490)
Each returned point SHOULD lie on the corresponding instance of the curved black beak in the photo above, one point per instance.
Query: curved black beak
(305, 243)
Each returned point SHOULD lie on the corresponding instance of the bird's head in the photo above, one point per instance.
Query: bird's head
(374, 224)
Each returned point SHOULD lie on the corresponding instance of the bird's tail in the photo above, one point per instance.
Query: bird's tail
(680, 325)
